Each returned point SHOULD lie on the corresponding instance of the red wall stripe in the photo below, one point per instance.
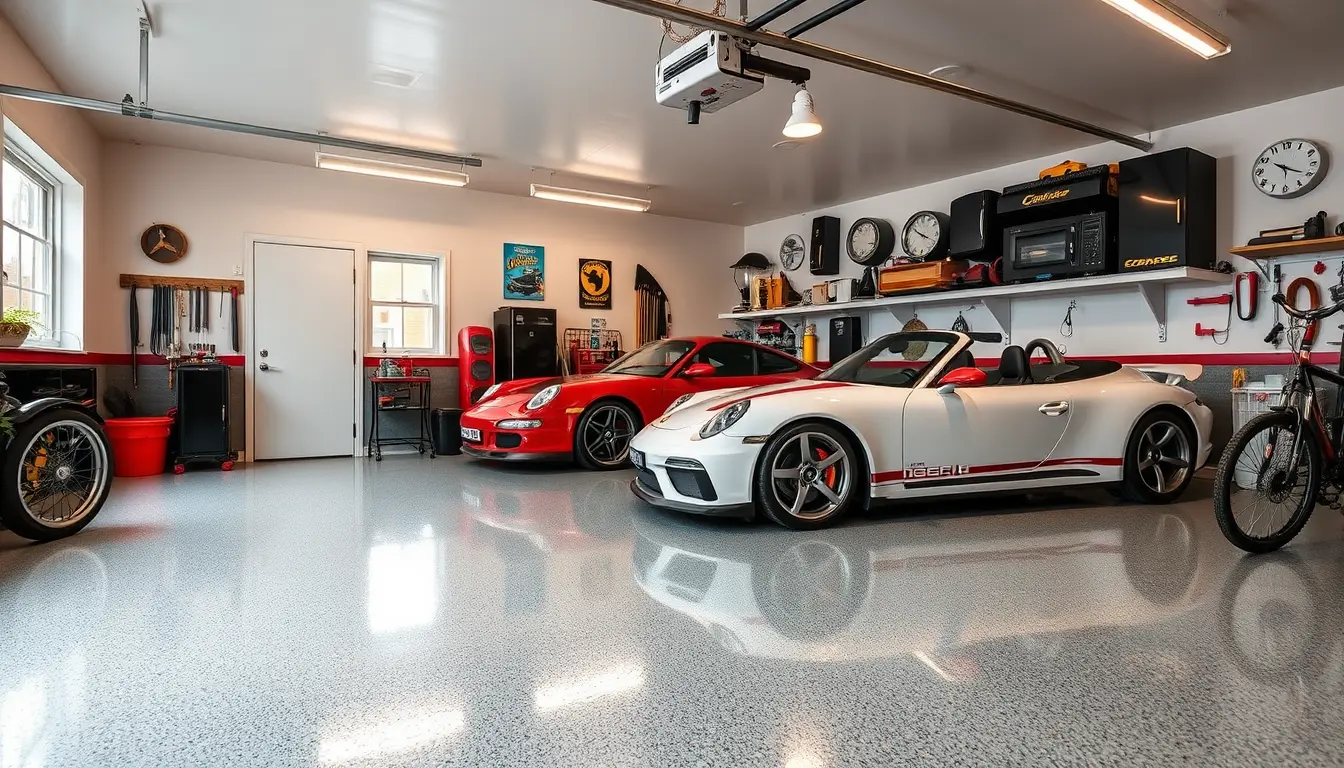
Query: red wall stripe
(417, 362)
(1228, 359)
(51, 357)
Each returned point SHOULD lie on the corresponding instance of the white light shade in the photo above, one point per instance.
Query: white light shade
(1161, 16)
(803, 123)
(368, 167)
(584, 197)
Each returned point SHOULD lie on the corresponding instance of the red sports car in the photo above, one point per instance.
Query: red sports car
(593, 418)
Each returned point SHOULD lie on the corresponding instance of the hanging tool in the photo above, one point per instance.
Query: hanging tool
(1066, 327)
(1337, 290)
(205, 310)
(960, 325)
(135, 340)
(1246, 289)
(1313, 299)
(1213, 333)
(1275, 335)
(233, 300)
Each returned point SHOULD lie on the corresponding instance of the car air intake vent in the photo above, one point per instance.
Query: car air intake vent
(686, 62)
(508, 440)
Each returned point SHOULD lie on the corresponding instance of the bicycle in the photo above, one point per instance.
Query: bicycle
(1291, 457)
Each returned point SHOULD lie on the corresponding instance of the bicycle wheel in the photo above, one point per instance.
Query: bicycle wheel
(1260, 502)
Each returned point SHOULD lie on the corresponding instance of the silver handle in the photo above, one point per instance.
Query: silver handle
(1054, 409)
(265, 367)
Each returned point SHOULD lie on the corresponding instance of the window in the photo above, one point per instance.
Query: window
(405, 303)
(771, 363)
(728, 359)
(29, 228)
(654, 359)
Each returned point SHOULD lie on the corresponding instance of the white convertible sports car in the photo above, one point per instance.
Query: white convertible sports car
(910, 416)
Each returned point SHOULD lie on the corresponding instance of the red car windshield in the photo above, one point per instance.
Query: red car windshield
(654, 359)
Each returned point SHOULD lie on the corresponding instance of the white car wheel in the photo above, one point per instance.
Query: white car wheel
(808, 476)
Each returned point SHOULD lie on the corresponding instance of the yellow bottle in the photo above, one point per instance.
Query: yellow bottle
(810, 344)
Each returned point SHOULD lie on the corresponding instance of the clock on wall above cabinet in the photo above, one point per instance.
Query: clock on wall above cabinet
(871, 241)
(926, 235)
(792, 252)
(1290, 168)
(163, 243)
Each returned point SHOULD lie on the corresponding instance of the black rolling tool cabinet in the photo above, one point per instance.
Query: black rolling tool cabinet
(201, 429)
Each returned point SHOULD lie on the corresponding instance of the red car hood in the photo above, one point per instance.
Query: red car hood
(519, 392)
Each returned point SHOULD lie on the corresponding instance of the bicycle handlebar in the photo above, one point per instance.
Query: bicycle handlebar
(1310, 315)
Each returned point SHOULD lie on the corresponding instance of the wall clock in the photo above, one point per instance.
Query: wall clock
(163, 243)
(926, 235)
(793, 252)
(871, 241)
(1290, 168)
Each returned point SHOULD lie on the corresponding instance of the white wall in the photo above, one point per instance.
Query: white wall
(217, 200)
(1116, 324)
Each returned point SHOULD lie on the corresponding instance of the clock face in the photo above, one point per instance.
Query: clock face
(922, 236)
(163, 243)
(1290, 168)
(863, 241)
(792, 252)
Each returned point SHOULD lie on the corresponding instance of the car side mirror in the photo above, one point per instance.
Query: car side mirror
(961, 377)
(699, 371)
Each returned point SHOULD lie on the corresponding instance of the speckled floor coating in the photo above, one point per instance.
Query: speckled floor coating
(419, 612)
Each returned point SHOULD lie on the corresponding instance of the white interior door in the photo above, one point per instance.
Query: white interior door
(303, 351)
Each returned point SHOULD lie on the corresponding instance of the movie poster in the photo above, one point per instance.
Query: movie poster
(594, 284)
(524, 272)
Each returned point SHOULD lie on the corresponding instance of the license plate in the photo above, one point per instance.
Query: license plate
(637, 458)
(474, 435)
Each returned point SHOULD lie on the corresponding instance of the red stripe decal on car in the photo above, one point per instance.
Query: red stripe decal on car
(986, 469)
(805, 388)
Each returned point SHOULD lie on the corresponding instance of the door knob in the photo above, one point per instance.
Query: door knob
(265, 367)
(264, 353)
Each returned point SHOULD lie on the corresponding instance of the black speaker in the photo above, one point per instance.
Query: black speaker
(825, 258)
(525, 343)
(1168, 211)
(846, 338)
(976, 232)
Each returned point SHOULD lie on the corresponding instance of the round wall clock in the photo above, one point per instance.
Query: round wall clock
(1290, 168)
(164, 243)
(871, 241)
(793, 252)
(926, 235)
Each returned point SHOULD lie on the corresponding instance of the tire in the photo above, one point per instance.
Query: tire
(603, 435)
(1282, 603)
(1160, 458)
(1226, 485)
(777, 488)
(28, 466)
(813, 588)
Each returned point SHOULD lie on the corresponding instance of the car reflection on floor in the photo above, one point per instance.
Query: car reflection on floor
(927, 588)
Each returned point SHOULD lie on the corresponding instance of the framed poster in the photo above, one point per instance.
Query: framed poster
(594, 284)
(524, 272)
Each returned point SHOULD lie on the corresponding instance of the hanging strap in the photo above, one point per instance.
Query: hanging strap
(1313, 302)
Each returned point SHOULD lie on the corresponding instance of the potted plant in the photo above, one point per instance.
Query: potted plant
(15, 325)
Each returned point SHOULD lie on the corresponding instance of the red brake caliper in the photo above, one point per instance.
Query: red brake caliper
(830, 471)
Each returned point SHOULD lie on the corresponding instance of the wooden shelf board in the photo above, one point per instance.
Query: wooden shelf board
(208, 283)
(1290, 248)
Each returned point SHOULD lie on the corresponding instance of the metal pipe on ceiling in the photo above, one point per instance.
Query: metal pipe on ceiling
(113, 108)
(663, 9)
(822, 18)
(774, 13)
(144, 61)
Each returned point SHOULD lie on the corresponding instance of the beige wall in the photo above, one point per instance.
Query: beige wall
(66, 135)
(219, 200)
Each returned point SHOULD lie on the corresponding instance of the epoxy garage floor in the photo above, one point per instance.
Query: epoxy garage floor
(444, 612)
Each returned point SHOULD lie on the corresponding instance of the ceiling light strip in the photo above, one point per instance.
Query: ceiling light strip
(112, 108)
(662, 9)
(1177, 25)
(584, 197)
(369, 167)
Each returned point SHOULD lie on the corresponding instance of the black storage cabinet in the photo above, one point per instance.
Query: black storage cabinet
(201, 432)
(526, 344)
(446, 431)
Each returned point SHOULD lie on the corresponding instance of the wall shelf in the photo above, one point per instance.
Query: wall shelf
(997, 300)
(1290, 248)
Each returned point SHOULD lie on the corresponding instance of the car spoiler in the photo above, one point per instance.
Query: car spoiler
(1170, 374)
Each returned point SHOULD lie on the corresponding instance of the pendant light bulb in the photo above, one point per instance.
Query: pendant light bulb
(803, 123)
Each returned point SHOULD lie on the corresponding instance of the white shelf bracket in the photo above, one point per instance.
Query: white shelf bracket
(1001, 308)
(1155, 296)
(902, 312)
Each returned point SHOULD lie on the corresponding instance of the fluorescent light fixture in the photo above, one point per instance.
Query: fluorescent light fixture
(391, 170)
(803, 123)
(616, 681)
(584, 197)
(1163, 17)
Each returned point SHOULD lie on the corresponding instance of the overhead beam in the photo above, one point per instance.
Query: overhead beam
(112, 108)
(663, 9)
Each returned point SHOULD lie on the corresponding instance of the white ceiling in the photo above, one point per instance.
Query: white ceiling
(566, 85)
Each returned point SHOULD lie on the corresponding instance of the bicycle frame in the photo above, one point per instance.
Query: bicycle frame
(1304, 378)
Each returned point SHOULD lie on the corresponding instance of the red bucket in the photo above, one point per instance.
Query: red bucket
(139, 445)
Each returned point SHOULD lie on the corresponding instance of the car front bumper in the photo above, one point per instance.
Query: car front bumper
(703, 477)
(553, 441)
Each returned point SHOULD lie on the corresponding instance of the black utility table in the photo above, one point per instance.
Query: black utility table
(416, 385)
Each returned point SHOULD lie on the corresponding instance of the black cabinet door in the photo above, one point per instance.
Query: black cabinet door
(1167, 210)
(203, 411)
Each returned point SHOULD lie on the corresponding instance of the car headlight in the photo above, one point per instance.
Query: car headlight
(543, 397)
(519, 424)
(677, 403)
(725, 419)
(489, 392)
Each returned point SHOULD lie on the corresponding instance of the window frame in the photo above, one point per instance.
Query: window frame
(766, 354)
(436, 305)
(727, 344)
(51, 188)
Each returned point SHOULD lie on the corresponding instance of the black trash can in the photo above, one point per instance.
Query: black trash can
(446, 429)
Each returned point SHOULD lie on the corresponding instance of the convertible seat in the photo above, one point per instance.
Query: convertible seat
(964, 359)
(1014, 367)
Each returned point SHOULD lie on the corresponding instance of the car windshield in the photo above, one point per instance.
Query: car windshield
(896, 360)
(653, 359)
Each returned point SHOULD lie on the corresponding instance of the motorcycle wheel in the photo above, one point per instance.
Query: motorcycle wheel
(55, 476)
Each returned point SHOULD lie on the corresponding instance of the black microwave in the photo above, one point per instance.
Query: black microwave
(1068, 247)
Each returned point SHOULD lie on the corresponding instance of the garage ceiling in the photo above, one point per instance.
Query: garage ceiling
(566, 86)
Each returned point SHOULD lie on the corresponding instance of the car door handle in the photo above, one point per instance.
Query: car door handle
(1057, 408)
